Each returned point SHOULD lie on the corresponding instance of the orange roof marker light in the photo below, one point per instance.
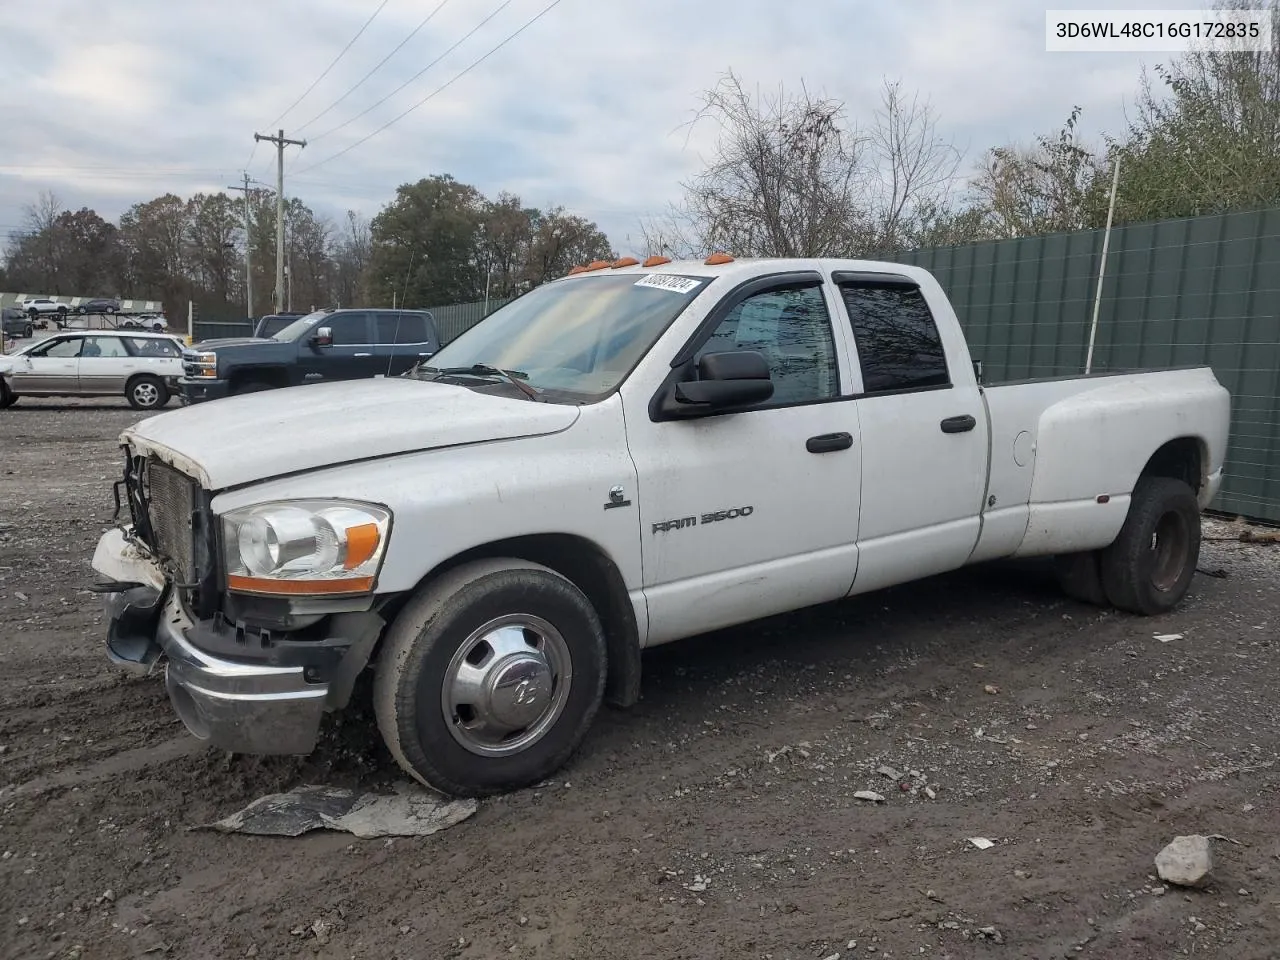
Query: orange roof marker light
(656, 261)
(596, 265)
(626, 262)
(578, 269)
(718, 258)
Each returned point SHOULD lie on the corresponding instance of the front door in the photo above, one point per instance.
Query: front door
(50, 367)
(750, 513)
(349, 357)
(924, 439)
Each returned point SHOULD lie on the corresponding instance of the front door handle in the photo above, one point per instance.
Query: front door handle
(959, 424)
(364, 354)
(829, 442)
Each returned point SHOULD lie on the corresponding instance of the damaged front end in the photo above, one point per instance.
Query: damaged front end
(247, 687)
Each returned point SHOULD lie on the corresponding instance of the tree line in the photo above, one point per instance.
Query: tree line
(792, 174)
(437, 241)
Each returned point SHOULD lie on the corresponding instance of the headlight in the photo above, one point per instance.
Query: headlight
(305, 547)
(206, 365)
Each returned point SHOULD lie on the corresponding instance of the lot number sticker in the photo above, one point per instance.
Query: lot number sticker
(667, 281)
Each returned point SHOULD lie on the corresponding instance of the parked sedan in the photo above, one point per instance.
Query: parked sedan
(142, 367)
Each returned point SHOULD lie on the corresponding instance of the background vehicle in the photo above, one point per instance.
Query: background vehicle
(141, 367)
(145, 321)
(615, 460)
(273, 323)
(16, 323)
(325, 345)
(37, 306)
(103, 305)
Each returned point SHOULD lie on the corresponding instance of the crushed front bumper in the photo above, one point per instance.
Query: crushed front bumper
(242, 707)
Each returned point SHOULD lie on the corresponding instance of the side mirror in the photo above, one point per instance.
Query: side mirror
(323, 337)
(730, 379)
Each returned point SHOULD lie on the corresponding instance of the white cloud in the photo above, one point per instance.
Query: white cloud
(113, 103)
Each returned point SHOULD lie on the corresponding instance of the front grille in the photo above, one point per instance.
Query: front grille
(170, 502)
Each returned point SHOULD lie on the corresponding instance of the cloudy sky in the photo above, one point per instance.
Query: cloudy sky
(110, 103)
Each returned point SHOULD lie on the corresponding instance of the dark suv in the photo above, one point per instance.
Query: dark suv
(326, 345)
(15, 322)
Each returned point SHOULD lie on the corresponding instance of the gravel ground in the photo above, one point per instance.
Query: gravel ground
(717, 818)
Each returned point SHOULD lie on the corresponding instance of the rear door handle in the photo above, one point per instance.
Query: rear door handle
(959, 424)
(829, 442)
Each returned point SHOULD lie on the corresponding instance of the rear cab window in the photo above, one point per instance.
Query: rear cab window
(897, 340)
(392, 327)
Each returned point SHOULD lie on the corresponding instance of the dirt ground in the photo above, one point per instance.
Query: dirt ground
(717, 818)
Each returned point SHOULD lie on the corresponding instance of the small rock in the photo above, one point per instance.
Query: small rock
(868, 795)
(1200, 927)
(108, 895)
(892, 774)
(321, 930)
(523, 921)
(404, 928)
(991, 933)
(21, 596)
(1243, 892)
(1186, 862)
(252, 951)
(930, 793)
(982, 843)
(834, 956)
(1247, 808)
(991, 688)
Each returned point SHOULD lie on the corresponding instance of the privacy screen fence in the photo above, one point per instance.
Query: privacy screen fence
(1200, 291)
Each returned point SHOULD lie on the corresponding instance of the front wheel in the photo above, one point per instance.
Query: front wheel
(147, 393)
(490, 677)
(1148, 569)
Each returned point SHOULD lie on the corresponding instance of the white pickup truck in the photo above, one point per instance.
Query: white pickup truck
(620, 458)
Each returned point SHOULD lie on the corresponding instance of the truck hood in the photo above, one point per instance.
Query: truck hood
(225, 342)
(257, 436)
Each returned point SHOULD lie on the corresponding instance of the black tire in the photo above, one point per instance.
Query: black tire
(27, 331)
(157, 329)
(62, 311)
(1080, 577)
(437, 627)
(1149, 567)
(146, 392)
(7, 397)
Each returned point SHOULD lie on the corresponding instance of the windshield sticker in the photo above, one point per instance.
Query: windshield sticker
(667, 281)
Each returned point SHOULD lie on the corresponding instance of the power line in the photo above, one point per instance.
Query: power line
(502, 6)
(326, 70)
(429, 17)
(440, 89)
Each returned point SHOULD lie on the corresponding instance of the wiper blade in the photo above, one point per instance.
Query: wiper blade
(487, 370)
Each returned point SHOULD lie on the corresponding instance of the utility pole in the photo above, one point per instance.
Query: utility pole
(248, 247)
(280, 142)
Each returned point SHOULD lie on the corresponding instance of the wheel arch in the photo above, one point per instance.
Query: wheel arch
(1183, 458)
(585, 564)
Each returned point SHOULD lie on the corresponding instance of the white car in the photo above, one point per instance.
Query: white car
(144, 368)
(145, 321)
(37, 306)
(618, 459)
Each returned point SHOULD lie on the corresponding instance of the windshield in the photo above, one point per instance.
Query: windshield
(578, 336)
(295, 330)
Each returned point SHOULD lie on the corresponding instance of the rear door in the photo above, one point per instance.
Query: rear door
(51, 367)
(924, 436)
(349, 357)
(402, 338)
(105, 365)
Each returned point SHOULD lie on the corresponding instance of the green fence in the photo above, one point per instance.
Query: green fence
(1198, 291)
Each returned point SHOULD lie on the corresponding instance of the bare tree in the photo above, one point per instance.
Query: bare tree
(916, 168)
(785, 176)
